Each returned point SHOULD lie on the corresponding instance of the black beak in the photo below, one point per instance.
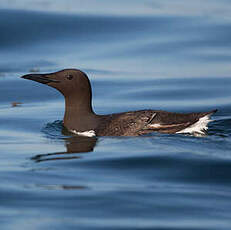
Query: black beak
(41, 78)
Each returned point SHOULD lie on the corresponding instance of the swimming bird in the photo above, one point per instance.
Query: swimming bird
(79, 117)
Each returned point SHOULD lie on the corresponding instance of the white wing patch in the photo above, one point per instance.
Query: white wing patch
(89, 133)
(197, 127)
(154, 125)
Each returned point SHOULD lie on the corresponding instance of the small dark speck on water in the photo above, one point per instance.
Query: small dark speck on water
(15, 104)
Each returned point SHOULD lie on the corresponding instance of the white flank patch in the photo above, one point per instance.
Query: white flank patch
(90, 133)
(197, 127)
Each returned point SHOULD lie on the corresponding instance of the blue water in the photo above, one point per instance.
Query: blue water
(166, 55)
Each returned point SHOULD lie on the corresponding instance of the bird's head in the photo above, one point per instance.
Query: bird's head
(68, 81)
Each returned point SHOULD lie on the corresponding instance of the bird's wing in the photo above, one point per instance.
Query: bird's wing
(167, 122)
(141, 122)
(124, 124)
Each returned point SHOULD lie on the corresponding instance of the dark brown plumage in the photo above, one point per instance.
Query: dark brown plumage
(80, 117)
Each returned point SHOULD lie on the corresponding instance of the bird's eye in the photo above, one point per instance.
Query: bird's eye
(69, 77)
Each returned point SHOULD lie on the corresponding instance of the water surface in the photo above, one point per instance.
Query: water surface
(149, 55)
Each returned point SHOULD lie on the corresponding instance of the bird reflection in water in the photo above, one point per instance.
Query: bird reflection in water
(74, 146)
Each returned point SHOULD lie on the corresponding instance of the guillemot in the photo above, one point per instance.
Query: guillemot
(80, 118)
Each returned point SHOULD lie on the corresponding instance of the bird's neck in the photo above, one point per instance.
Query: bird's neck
(79, 114)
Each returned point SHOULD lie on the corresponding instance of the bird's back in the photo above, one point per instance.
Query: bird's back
(141, 122)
